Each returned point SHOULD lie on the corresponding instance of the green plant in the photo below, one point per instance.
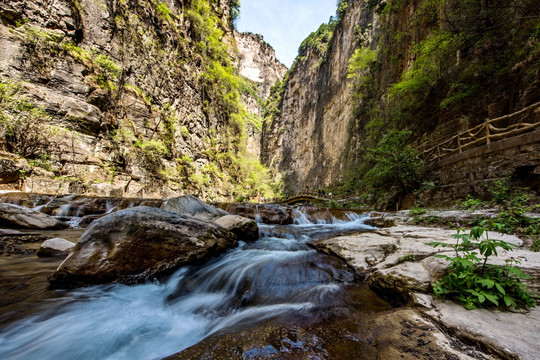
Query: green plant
(473, 282)
(471, 203)
(407, 257)
(393, 163)
(417, 211)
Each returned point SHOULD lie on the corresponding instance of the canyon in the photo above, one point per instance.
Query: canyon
(158, 99)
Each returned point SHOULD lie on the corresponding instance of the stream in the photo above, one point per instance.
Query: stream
(278, 279)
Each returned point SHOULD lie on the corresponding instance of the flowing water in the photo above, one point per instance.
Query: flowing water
(278, 278)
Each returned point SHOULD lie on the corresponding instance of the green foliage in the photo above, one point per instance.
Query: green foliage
(417, 211)
(359, 65)
(154, 148)
(535, 246)
(432, 62)
(163, 11)
(407, 257)
(393, 163)
(475, 283)
(471, 203)
(342, 6)
(514, 203)
(234, 6)
(319, 40)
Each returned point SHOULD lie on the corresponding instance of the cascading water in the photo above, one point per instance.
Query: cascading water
(276, 278)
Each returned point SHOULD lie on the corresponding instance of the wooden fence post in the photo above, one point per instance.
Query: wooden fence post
(487, 131)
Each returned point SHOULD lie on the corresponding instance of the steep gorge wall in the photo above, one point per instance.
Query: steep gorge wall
(439, 68)
(308, 139)
(134, 98)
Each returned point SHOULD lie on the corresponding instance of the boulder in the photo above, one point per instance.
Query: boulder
(140, 244)
(380, 222)
(20, 216)
(194, 207)
(245, 229)
(11, 170)
(268, 214)
(55, 247)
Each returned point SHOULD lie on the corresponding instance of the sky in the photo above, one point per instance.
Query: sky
(284, 24)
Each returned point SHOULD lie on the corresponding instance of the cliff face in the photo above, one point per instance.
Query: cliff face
(425, 69)
(257, 62)
(308, 140)
(130, 98)
(258, 65)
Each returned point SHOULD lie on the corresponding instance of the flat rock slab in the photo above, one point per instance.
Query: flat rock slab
(23, 217)
(399, 261)
(507, 334)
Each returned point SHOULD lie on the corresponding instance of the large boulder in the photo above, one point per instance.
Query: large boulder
(194, 207)
(245, 229)
(55, 247)
(12, 169)
(268, 214)
(23, 217)
(139, 244)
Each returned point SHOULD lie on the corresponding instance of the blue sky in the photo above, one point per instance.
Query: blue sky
(284, 23)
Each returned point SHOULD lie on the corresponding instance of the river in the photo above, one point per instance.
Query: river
(278, 279)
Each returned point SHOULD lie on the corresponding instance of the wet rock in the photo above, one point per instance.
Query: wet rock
(380, 222)
(396, 334)
(12, 169)
(139, 244)
(13, 241)
(508, 335)
(245, 229)
(20, 216)
(400, 259)
(269, 214)
(194, 207)
(55, 247)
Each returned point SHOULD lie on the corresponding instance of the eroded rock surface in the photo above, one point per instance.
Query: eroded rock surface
(398, 262)
(138, 244)
(23, 217)
(193, 206)
(245, 229)
(268, 214)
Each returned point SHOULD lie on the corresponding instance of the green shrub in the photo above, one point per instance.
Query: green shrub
(471, 203)
(393, 163)
(473, 282)
(417, 211)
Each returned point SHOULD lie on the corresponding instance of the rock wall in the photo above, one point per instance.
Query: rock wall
(325, 125)
(257, 64)
(257, 61)
(127, 92)
(308, 140)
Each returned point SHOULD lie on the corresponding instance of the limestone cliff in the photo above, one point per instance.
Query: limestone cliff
(125, 98)
(258, 65)
(419, 72)
(307, 141)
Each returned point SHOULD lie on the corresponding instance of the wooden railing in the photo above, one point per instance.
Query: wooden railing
(482, 134)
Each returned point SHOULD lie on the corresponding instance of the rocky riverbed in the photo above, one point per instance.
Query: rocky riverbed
(323, 303)
(399, 264)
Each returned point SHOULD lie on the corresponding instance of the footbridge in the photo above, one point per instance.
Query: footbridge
(300, 198)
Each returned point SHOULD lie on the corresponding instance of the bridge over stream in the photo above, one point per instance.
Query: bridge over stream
(301, 198)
